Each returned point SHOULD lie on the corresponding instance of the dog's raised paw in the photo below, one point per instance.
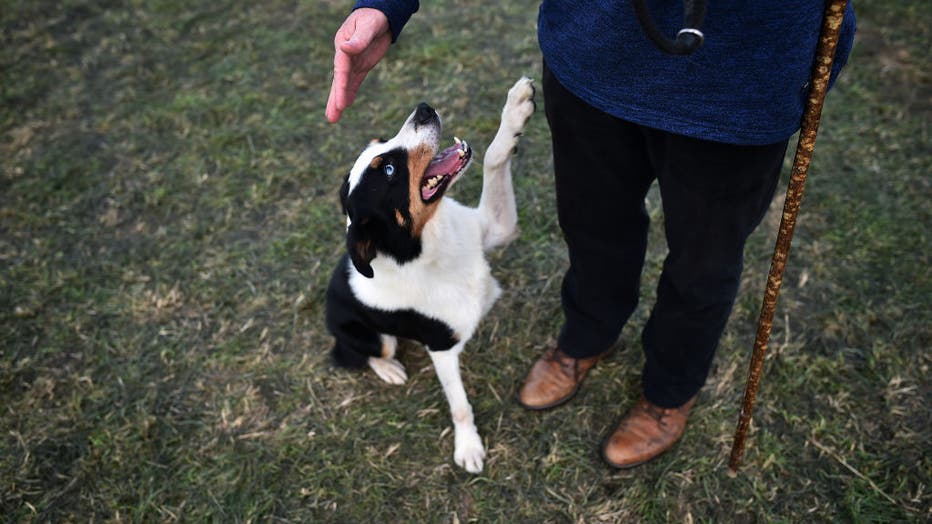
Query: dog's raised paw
(389, 370)
(520, 104)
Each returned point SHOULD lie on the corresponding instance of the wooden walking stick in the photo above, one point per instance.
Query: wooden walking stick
(821, 71)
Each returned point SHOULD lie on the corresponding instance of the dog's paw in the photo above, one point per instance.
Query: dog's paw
(520, 104)
(469, 453)
(389, 370)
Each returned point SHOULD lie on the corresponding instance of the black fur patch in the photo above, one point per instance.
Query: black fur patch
(357, 326)
(381, 194)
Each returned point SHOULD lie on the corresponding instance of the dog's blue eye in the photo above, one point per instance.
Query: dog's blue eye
(389, 169)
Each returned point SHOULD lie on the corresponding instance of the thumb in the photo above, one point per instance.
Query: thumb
(356, 44)
(360, 31)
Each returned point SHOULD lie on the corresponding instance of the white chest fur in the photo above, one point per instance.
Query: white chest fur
(450, 280)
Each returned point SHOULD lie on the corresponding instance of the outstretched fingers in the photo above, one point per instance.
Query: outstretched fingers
(359, 45)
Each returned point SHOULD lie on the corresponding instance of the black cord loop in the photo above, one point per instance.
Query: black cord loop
(687, 40)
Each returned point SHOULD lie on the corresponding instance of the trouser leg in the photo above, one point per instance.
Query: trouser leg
(714, 195)
(602, 174)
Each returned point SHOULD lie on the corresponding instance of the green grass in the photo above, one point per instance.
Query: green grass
(169, 220)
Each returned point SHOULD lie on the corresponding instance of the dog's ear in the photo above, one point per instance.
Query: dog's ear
(360, 247)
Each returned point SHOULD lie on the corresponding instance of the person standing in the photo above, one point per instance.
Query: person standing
(711, 128)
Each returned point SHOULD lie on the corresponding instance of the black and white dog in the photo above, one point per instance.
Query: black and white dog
(415, 266)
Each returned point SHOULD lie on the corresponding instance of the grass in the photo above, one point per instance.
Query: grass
(168, 222)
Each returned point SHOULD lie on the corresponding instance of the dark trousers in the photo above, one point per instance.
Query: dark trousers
(713, 194)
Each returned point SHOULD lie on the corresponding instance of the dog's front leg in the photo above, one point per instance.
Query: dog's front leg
(468, 452)
(497, 211)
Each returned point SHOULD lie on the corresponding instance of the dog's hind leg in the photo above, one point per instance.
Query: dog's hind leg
(468, 451)
(386, 366)
(497, 211)
(354, 343)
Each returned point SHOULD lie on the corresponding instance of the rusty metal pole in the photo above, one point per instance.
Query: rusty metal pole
(821, 71)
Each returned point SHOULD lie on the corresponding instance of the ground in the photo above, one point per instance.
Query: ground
(169, 220)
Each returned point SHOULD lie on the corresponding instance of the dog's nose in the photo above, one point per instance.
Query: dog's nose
(424, 114)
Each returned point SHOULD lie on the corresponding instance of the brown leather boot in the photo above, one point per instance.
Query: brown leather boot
(554, 379)
(644, 432)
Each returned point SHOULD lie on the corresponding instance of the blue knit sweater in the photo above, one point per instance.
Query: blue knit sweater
(745, 85)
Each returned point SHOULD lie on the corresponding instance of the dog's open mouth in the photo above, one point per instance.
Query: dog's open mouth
(444, 168)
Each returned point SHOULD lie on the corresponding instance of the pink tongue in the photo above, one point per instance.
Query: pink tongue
(444, 163)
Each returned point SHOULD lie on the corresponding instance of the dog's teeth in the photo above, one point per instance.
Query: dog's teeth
(462, 153)
(457, 140)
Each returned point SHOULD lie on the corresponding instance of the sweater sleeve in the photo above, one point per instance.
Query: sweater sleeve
(397, 11)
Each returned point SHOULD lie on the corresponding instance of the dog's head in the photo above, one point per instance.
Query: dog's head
(394, 188)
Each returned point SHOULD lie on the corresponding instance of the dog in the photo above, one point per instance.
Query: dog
(415, 265)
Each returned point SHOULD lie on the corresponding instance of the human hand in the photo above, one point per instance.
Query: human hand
(359, 44)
